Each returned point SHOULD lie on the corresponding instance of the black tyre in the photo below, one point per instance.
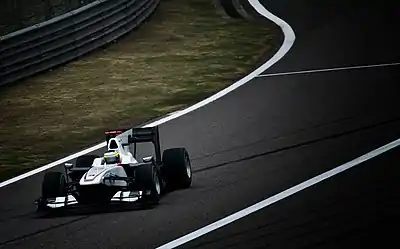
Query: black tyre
(178, 168)
(148, 180)
(53, 185)
(85, 161)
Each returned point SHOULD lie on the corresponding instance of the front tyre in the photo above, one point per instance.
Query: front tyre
(54, 185)
(178, 167)
(149, 182)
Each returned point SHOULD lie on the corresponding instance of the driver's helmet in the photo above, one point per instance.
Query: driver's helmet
(112, 157)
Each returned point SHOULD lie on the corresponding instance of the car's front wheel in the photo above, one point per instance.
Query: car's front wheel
(149, 182)
(54, 185)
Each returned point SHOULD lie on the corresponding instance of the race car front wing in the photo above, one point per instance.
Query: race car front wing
(69, 200)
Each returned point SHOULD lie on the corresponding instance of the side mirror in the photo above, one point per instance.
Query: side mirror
(147, 159)
(68, 165)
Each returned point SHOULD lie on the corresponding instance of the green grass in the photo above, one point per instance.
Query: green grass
(183, 54)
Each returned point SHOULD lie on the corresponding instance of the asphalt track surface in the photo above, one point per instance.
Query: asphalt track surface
(261, 139)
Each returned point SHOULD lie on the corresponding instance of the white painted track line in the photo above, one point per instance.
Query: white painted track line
(53, 164)
(330, 69)
(282, 195)
(286, 45)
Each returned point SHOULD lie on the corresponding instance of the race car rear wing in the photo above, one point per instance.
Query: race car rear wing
(148, 134)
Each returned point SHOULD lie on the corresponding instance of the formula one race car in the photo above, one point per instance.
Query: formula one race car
(117, 176)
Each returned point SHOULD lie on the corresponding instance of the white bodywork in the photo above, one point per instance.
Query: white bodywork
(100, 170)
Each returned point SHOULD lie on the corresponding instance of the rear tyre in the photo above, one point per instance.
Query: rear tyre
(149, 182)
(85, 161)
(82, 163)
(177, 167)
(53, 185)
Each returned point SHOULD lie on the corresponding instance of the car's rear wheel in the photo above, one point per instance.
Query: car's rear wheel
(149, 182)
(85, 161)
(177, 167)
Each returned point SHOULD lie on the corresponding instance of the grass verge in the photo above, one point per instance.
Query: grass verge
(183, 54)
